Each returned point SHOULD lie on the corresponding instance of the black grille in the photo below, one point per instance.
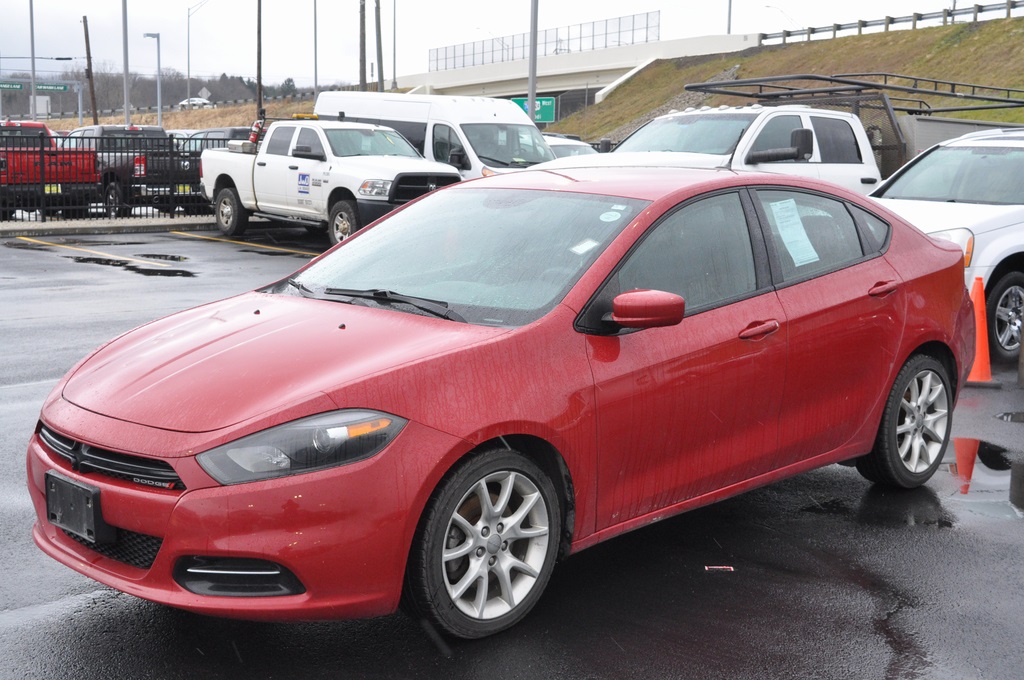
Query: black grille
(409, 186)
(86, 459)
(135, 550)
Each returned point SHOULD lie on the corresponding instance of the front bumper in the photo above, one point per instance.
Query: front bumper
(344, 533)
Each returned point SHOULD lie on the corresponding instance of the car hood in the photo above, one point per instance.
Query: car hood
(633, 159)
(933, 216)
(386, 167)
(217, 365)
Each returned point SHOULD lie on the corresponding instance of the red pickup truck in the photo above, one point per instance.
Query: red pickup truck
(37, 173)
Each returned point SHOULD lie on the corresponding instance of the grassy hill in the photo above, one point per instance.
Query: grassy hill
(988, 53)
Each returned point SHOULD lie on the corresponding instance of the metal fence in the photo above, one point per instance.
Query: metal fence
(44, 178)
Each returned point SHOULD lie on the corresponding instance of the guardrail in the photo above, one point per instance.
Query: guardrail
(946, 15)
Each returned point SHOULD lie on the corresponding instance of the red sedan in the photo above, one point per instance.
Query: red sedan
(498, 375)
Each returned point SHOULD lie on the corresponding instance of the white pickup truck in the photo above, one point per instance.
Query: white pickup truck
(791, 139)
(326, 176)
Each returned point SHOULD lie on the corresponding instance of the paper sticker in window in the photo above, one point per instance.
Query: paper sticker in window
(792, 231)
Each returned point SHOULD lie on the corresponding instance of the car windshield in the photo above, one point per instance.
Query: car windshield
(565, 150)
(507, 146)
(369, 142)
(711, 133)
(984, 173)
(499, 257)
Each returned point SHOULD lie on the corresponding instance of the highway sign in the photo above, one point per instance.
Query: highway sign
(51, 87)
(10, 86)
(544, 108)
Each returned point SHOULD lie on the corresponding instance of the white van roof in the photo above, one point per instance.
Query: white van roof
(419, 107)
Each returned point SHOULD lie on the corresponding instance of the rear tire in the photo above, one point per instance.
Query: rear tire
(232, 218)
(1005, 314)
(916, 423)
(486, 545)
(114, 205)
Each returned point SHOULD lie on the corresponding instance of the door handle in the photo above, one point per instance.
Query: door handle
(293, 167)
(868, 180)
(262, 164)
(759, 329)
(882, 289)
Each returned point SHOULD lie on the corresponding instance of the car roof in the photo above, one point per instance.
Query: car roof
(1011, 136)
(645, 183)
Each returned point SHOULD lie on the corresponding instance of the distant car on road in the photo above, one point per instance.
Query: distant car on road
(195, 103)
(214, 138)
(968, 190)
(493, 377)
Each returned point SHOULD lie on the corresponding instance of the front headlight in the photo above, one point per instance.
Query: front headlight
(314, 443)
(375, 187)
(962, 237)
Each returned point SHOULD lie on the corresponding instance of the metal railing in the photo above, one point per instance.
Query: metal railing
(43, 178)
(946, 16)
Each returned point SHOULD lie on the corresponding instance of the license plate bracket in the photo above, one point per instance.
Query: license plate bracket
(75, 507)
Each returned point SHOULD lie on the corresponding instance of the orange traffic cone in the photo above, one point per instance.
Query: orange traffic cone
(981, 371)
(966, 454)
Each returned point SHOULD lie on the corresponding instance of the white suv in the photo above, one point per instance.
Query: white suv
(969, 190)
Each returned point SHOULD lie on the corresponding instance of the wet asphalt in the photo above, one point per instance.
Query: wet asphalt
(820, 576)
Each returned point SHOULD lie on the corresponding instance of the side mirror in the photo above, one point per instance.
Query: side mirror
(304, 151)
(801, 149)
(647, 309)
(457, 157)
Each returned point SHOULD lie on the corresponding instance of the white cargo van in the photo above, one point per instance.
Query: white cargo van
(478, 135)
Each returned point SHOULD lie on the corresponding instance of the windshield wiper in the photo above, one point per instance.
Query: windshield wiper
(303, 290)
(435, 307)
(494, 161)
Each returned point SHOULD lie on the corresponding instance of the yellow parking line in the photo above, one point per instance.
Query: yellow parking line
(245, 243)
(94, 252)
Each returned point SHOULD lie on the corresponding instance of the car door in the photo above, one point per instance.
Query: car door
(845, 309)
(688, 409)
(306, 196)
(271, 175)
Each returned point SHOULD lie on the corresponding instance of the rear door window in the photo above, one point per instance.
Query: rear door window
(836, 141)
(280, 140)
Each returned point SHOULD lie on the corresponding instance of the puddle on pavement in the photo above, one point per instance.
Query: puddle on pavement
(160, 256)
(133, 267)
(25, 245)
(984, 472)
(1013, 417)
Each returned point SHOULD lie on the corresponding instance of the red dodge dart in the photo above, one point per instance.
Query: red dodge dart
(499, 375)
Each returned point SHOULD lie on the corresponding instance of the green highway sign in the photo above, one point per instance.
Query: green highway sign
(51, 87)
(10, 86)
(544, 111)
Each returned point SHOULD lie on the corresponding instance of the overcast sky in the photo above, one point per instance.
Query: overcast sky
(223, 33)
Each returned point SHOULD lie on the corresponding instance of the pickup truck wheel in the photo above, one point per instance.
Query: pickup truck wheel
(232, 218)
(113, 201)
(343, 221)
(6, 214)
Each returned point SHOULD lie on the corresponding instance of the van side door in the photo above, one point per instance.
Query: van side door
(444, 139)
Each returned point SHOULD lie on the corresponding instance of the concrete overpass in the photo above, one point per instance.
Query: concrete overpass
(597, 71)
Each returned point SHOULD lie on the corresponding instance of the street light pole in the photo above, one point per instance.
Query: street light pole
(394, 44)
(124, 38)
(32, 46)
(188, 51)
(159, 98)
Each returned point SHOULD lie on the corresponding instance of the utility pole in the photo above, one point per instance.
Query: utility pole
(88, 72)
(316, 86)
(380, 53)
(362, 45)
(124, 39)
(32, 42)
(259, 58)
(531, 99)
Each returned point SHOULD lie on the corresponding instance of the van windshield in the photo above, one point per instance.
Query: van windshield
(711, 133)
(985, 173)
(507, 146)
(369, 142)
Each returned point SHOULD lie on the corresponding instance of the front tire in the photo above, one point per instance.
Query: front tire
(915, 427)
(342, 222)
(231, 217)
(486, 545)
(1005, 314)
